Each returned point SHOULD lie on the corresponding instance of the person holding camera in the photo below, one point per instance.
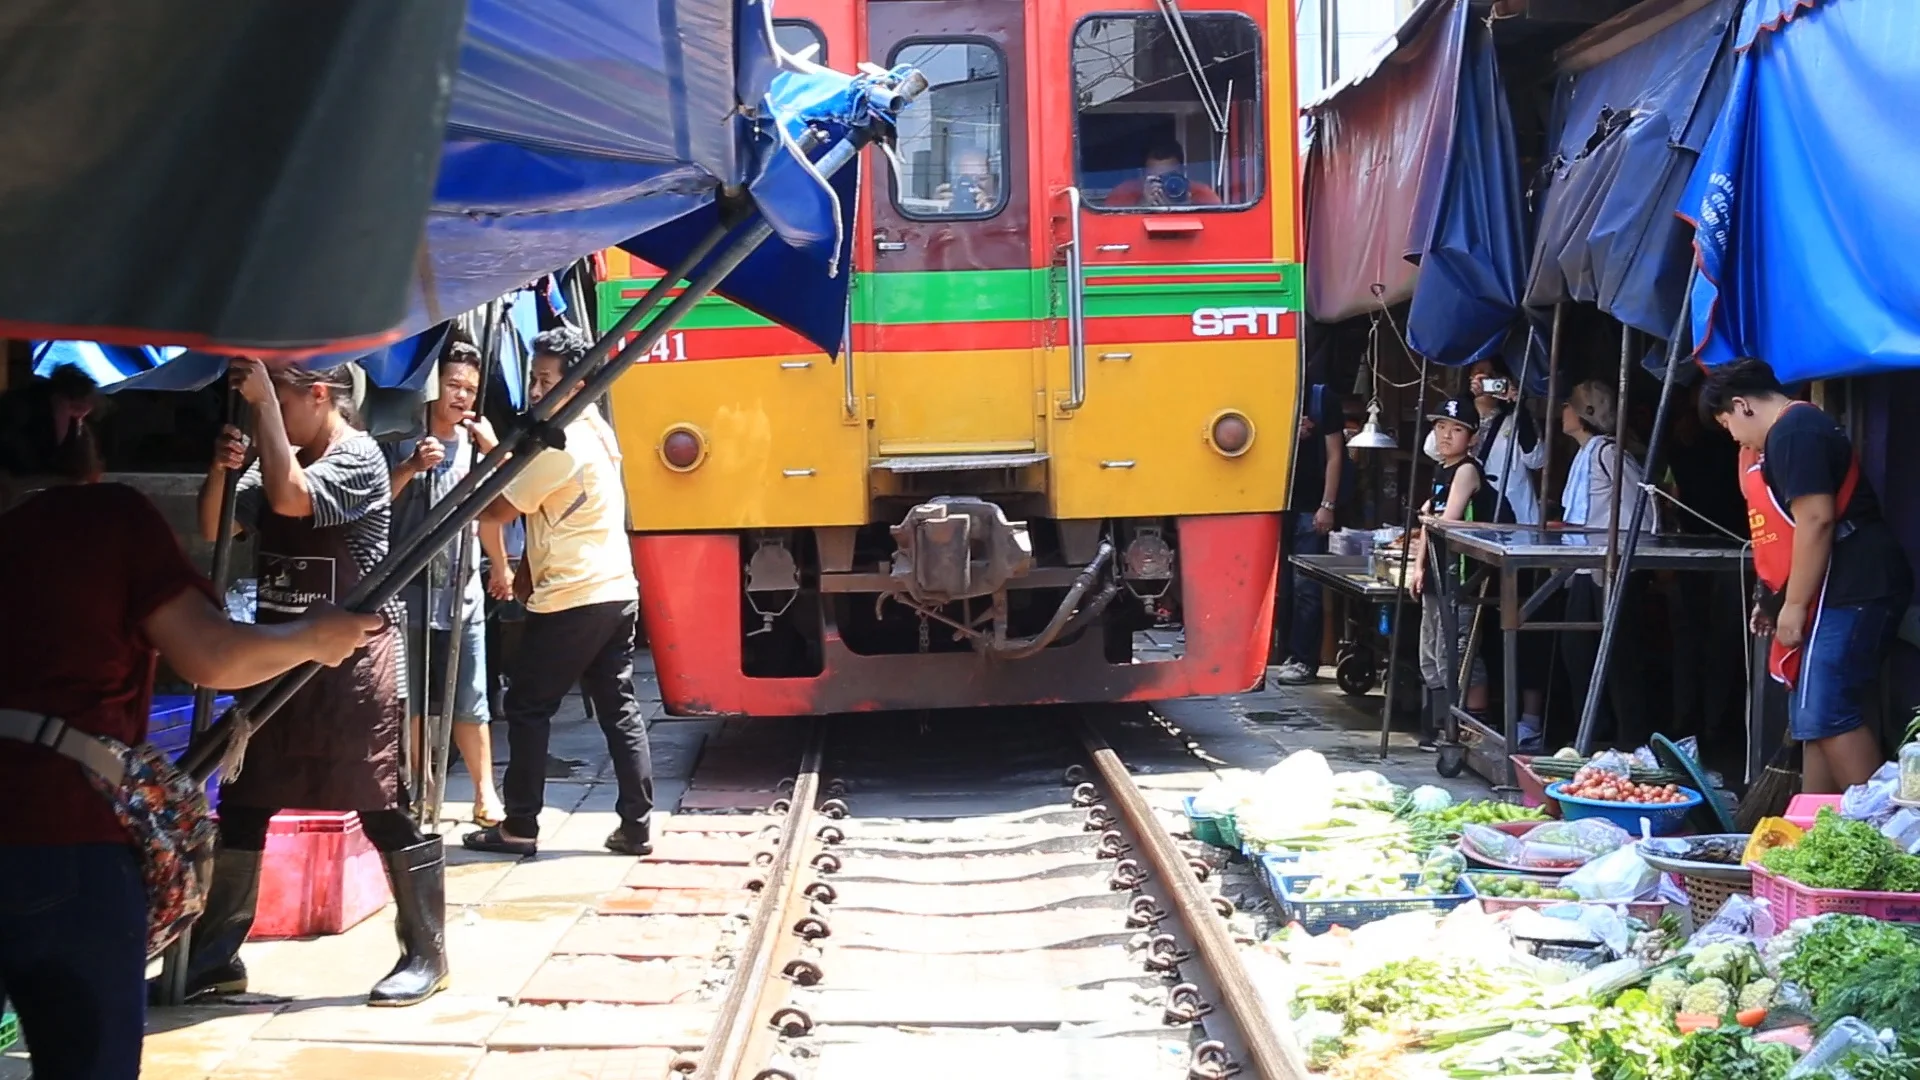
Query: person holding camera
(975, 188)
(1163, 181)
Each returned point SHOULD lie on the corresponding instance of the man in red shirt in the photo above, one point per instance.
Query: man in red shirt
(93, 586)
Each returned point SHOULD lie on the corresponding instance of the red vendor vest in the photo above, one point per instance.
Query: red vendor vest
(1772, 528)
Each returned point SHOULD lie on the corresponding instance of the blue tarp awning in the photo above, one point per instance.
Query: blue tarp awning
(1807, 221)
(1473, 270)
(1626, 129)
(308, 180)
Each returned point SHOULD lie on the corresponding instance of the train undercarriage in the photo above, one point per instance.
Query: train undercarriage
(956, 603)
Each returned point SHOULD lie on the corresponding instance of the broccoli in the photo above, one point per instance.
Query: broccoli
(1730, 962)
(1758, 994)
(1666, 989)
(1710, 997)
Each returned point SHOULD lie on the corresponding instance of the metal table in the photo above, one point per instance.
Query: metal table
(1504, 552)
(1356, 666)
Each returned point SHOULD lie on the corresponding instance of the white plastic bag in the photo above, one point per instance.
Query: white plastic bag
(1741, 919)
(1873, 801)
(1620, 876)
(1846, 1036)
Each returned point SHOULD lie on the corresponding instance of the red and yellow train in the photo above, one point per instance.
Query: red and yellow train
(1070, 406)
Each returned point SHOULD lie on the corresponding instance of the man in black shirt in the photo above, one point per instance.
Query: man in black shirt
(1839, 579)
(1316, 489)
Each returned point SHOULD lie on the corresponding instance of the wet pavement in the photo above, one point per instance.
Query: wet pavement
(521, 931)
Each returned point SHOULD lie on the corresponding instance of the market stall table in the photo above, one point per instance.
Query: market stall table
(1504, 552)
(1356, 663)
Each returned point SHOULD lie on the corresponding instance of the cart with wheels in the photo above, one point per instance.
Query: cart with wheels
(1360, 659)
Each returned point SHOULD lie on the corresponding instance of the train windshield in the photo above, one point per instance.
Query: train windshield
(953, 140)
(1169, 114)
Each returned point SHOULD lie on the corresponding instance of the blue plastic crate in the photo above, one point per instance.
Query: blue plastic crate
(1663, 819)
(1319, 916)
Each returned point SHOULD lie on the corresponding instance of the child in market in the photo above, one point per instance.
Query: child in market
(1459, 493)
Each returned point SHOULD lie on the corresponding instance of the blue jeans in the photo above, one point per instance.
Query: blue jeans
(470, 704)
(1297, 622)
(73, 957)
(1838, 665)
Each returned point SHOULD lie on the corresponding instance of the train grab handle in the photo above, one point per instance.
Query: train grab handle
(1076, 309)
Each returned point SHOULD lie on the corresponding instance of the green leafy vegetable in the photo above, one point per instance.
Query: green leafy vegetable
(1835, 854)
(1729, 1053)
(1634, 1040)
(1883, 992)
(1835, 947)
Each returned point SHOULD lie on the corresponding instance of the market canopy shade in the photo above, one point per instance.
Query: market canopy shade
(1376, 166)
(305, 179)
(1808, 224)
(1636, 99)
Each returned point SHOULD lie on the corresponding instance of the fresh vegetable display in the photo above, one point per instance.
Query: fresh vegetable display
(1517, 887)
(1605, 786)
(1841, 854)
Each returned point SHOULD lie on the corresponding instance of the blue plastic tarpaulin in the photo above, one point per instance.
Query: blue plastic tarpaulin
(1627, 127)
(1473, 270)
(1807, 221)
(403, 365)
(321, 180)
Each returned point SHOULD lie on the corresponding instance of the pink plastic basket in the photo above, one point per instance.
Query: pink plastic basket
(1792, 900)
(1647, 911)
(1804, 808)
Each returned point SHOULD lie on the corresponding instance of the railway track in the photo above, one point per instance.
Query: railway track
(973, 897)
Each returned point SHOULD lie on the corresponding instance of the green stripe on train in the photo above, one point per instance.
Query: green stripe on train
(962, 296)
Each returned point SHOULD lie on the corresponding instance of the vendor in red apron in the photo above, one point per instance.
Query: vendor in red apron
(1837, 579)
(318, 502)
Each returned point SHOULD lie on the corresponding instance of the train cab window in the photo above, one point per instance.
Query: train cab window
(1168, 111)
(798, 37)
(952, 145)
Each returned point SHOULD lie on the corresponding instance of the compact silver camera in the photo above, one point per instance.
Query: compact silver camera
(1494, 386)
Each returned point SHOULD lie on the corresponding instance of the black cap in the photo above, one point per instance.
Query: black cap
(1460, 409)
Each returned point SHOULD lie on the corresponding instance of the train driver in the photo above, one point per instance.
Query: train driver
(1163, 182)
(975, 187)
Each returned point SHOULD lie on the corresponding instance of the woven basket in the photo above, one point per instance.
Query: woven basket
(1706, 895)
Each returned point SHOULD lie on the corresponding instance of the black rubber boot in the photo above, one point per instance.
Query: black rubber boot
(213, 955)
(418, 876)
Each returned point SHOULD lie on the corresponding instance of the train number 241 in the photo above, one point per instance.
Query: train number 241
(1239, 321)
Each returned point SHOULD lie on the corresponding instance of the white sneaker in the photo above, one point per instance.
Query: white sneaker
(1294, 673)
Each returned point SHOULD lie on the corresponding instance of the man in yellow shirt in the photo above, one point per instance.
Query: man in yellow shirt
(582, 604)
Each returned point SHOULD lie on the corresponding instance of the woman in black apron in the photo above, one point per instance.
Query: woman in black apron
(319, 503)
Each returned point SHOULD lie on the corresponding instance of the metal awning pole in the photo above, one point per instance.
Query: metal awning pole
(173, 970)
(442, 733)
(1406, 557)
(1619, 455)
(1616, 591)
(1549, 500)
(591, 378)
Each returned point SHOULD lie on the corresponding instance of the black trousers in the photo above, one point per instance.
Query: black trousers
(244, 828)
(592, 646)
(1622, 715)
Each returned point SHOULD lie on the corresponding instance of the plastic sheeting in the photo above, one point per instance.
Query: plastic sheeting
(1808, 225)
(314, 179)
(1467, 298)
(1627, 132)
(1375, 170)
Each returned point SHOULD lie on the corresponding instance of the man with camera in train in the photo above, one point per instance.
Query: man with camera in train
(1163, 182)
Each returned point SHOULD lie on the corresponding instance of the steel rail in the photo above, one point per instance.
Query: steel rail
(1251, 1048)
(747, 1010)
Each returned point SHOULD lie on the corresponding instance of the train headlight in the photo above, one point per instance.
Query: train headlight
(1230, 433)
(683, 448)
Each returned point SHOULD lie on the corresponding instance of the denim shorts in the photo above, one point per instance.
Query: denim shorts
(1838, 666)
(470, 696)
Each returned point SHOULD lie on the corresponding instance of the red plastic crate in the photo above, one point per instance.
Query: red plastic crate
(1792, 900)
(320, 875)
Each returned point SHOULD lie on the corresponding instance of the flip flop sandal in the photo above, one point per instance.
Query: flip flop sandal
(490, 839)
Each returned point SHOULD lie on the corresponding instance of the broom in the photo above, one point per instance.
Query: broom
(1779, 782)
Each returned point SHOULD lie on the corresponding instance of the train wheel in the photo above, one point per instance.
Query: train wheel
(1356, 672)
